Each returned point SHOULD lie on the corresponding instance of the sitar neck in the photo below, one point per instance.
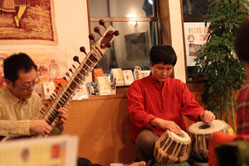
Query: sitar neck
(65, 94)
(76, 80)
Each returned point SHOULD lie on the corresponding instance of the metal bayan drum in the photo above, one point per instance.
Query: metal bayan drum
(171, 148)
(200, 134)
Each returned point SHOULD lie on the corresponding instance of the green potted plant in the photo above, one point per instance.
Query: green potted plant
(224, 70)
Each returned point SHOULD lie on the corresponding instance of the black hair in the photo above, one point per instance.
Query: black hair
(16, 62)
(163, 53)
(242, 41)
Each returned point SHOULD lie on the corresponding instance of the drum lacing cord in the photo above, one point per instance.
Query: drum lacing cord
(175, 151)
(185, 151)
(162, 150)
(196, 146)
(205, 145)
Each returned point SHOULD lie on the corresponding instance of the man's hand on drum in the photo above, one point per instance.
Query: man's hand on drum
(166, 125)
(207, 116)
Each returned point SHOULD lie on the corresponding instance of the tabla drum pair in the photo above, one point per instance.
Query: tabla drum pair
(200, 134)
(172, 148)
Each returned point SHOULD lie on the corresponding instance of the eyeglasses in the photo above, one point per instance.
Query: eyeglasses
(32, 83)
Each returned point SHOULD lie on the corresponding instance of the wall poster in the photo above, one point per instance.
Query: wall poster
(137, 46)
(195, 37)
(27, 21)
(51, 63)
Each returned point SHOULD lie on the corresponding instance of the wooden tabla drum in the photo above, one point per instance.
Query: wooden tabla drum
(171, 148)
(200, 134)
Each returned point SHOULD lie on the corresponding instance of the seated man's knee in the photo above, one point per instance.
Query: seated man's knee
(146, 137)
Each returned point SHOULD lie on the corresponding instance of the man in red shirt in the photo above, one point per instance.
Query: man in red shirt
(156, 103)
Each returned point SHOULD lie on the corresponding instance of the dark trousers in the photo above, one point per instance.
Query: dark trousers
(144, 145)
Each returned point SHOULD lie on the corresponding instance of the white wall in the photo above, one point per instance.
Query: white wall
(177, 38)
(72, 25)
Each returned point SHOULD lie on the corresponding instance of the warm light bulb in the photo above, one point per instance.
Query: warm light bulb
(133, 17)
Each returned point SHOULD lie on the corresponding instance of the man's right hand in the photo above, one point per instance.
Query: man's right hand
(40, 127)
(166, 125)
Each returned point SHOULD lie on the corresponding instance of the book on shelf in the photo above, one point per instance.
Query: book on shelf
(93, 88)
(39, 89)
(53, 150)
(128, 77)
(112, 81)
(97, 72)
(145, 73)
(104, 85)
(109, 76)
(48, 88)
(118, 74)
(81, 93)
(137, 73)
(60, 81)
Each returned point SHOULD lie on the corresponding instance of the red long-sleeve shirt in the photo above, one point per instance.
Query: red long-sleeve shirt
(147, 100)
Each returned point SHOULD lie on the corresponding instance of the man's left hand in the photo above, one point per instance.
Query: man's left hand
(207, 116)
(62, 117)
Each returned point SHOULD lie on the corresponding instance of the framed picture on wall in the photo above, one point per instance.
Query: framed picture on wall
(137, 46)
(196, 34)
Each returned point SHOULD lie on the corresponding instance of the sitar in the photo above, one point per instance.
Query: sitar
(63, 95)
(79, 75)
